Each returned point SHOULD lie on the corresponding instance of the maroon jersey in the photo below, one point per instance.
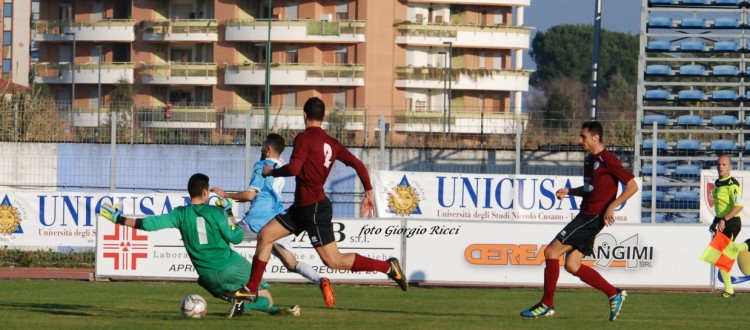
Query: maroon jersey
(311, 162)
(601, 175)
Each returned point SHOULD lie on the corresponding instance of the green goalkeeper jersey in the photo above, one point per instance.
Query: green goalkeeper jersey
(206, 233)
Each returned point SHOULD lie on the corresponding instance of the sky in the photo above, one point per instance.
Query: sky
(617, 15)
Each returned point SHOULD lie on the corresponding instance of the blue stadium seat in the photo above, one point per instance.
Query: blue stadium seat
(660, 170)
(690, 120)
(726, 2)
(686, 220)
(726, 46)
(723, 145)
(658, 69)
(658, 45)
(724, 95)
(726, 22)
(648, 144)
(659, 21)
(696, 2)
(747, 95)
(689, 145)
(690, 94)
(646, 195)
(747, 120)
(688, 170)
(658, 218)
(692, 69)
(687, 196)
(656, 94)
(658, 119)
(693, 22)
(724, 120)
(660, 2)
(725, 70)
(694, 46)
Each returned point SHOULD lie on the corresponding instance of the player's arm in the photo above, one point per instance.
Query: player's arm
(299, 154)
(242, 196)
(367, 208)
(562, 192)
(150, 223)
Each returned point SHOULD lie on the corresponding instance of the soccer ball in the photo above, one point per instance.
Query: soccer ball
(193, 306)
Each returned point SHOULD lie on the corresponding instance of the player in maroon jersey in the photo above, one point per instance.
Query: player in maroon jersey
(311, 161)
(602, 173)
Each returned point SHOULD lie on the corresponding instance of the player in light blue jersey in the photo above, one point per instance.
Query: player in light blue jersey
(264, 195)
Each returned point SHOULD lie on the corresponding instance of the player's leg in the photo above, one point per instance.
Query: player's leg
(282, 249)
(271, 232)
(552, 254)
(732, 230)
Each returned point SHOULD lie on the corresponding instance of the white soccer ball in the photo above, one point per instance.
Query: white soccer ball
(194, 306)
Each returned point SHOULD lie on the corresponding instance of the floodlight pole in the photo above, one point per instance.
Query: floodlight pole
(267, 110)
(595, 65)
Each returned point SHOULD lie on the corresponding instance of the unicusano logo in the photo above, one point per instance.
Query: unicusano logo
(608, 252)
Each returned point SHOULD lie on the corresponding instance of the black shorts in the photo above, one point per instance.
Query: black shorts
(581, 232)
(315, 219)
(731, 228)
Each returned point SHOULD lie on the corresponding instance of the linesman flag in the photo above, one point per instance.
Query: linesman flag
(721, 252)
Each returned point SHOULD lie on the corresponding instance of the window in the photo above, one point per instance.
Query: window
(6, 66)
(342, 55)
(7, 38)
(290, 99)
(8, 10)
(497, 60)
(499, 17)
(292, 12)
(339, 100)
(342, 12)
(292, 54)
(482, 58)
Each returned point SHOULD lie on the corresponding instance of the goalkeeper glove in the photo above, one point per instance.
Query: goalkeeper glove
(112, 213)
(226, 204)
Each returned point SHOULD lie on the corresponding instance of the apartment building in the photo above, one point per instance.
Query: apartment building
(16, 41)
(201, 65)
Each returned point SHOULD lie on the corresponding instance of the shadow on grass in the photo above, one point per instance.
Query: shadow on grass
(49, 308)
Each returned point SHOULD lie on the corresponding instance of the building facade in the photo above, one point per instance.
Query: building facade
(200, 65)
(16, 41)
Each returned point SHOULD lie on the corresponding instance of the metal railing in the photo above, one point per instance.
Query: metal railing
(313, 27)
(179, 26)
(311, 70)
(439, 30)
(58, 26)
(181, 69)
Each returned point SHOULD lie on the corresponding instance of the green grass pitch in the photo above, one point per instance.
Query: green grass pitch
(47, 304)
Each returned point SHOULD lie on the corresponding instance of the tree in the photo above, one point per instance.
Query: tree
(567, 51)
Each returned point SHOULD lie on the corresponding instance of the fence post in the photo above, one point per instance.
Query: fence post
(112, 145)
(381, 128)
(518, 141)
(653, 172)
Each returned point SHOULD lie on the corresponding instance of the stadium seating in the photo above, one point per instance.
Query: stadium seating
(723, 145)
(690, 94)
(747, 120)
(726, 46)
(656, 94)
(725, 22)
(687, 196)
(660, 1)
(693, 22)
(658, 218)
(696, 2)
(692, 46)
(658, 45)
(692, 70)
(660, 144)
(658, 69)
(689, 120)
(688, 170)
(726, 2)
(725, 70)
(688, 145)
(659, 21)
(724, 120)
(686, 219)
(660, 170)
(724, 95)
(658, 119)
(646, 195)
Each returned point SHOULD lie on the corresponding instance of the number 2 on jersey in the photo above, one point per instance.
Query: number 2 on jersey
(328, 153)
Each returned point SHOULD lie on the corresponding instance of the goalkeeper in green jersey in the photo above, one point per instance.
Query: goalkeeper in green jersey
(207, 232)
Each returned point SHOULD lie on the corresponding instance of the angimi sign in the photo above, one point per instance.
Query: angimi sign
(457, 196)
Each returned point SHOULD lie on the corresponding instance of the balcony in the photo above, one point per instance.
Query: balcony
(296, 74)
(477, 2)
(486, 36)
(463, 78)
(458, 122)
(108, 30)
(196, 30)
(89, 116)
(202, 116)
(291, 118)
(86, 73)
(202, 74)
(303, 31)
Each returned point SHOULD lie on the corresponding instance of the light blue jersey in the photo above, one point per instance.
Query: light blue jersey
(267, 202)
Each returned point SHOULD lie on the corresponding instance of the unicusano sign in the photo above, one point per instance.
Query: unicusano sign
(455, 196)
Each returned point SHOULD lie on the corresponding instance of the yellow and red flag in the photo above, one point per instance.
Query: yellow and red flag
(721, 252)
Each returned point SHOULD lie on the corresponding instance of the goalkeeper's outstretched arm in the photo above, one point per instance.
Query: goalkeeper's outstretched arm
(114, 215)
